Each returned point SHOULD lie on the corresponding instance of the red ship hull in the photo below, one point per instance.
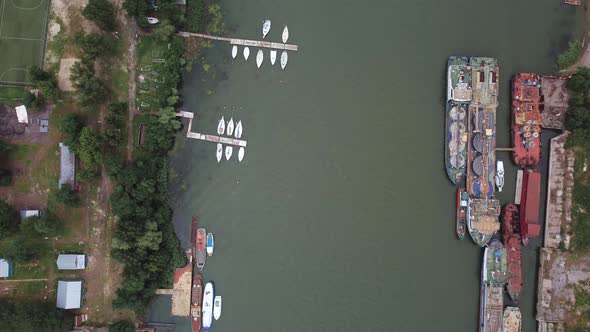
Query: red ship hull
(197, 286)
(526, 120)
(529, 206)
(511, 237)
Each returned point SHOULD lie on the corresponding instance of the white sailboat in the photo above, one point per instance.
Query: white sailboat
(246, 53)
(273, 57)
(234, 51)
(499, 175)
(265, 28)
(259, 58)
(228, 151)
(284, 59)
(241, 152)
(217, 307)
(238, 132)
(221, 126)
(230, 127)
(219, 151)
(207, 308)
(285, 34)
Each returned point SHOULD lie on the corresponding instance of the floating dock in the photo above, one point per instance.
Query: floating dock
(243, 42)
(207, 137)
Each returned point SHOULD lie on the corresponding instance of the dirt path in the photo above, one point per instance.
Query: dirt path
(132, 46)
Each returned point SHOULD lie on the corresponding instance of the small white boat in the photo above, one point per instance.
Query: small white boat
(207, 308)
(238, 132)
(285, 34)
(219, 151)
(217, 307)
(228, 151)
(246, 53)
(499, 175)
(230, 127)
(221, 126)
(152, 20)
(210, 244)
(259, 58)
(241, 154)
(273, 57)
(234, 51)
(284, 59)
(265, 28)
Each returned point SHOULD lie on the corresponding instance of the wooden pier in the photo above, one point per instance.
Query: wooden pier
(505, 149)
(210, 138)
(243, 42)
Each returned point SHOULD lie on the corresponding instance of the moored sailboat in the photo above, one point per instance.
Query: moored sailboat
(228, 151)
(259, 58)
(208, 297)
(234, 51)
(221, 126)
(285, 35)
(265, 28)
(246, 53)
(273, 57)
(284, 59)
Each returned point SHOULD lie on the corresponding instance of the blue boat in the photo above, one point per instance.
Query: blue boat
(210, 244)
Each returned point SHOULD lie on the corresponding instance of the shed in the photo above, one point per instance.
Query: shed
(69, 294)
(71, 262)
(5, 268)
(29, 213)
(21, 114)
(67, 166)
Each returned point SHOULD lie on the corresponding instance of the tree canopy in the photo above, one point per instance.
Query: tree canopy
(8, 218)
(101, 12)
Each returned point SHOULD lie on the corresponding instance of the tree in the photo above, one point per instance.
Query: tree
(570, 56)
(33, 316)
(45, 81)
(164, 31)
(102, 12)
(87, 148)
(46, 225)
(195, 18)
(19, 250)
(70, 126)
(122, 326)
(37, 74)
(67, 196)
(8, 218)
(135, 8)
(90, 90)
(95, 45)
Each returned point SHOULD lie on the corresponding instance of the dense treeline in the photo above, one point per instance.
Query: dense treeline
(33, 317)
(144, 238)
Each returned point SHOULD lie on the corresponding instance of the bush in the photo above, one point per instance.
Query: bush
(101, 12)
(122, 326)
(195, 15)
(90, 90)
(19, 250)
(8, 218)
(70, 126)
(95, 45)
(570, 56)
(46, 225)
(68, 197)
(45, 81)
(34, 316)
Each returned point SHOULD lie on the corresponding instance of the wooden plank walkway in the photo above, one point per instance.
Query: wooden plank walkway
(244, 42)
(206, 137)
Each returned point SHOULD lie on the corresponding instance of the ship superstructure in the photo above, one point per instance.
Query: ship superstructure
(483, 220)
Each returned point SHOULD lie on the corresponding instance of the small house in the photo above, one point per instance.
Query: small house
(69, 294)
(71, 262)
(21, 114)
(24, 214)
(67, 167)
(5, 268)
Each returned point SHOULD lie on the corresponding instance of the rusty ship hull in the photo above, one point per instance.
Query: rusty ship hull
(526, 119)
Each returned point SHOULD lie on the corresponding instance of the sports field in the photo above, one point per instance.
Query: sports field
(23, 24)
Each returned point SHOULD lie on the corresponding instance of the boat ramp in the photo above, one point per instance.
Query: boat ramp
(243, 42)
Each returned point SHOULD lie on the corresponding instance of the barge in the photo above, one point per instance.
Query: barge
(529, 206)
(493, 277)
(201, 248)
(526, 119)
(196, 297)
(483, 219)
(481, 154)
(459, 95)
(511, 238)
(461, 218)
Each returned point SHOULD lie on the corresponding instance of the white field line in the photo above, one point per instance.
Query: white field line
(2, 16)
(18, 38)
(25, 8)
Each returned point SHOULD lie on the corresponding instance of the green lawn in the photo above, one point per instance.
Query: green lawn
(22, 36)
(11, 94)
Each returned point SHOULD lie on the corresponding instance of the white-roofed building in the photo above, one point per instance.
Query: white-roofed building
(21, 114)
(67, 167)
(29, 213)
(69, 294)
(71, 262)
(5, 268)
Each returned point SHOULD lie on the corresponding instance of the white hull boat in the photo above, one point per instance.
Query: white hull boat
(221, 126)
(230, 127)
(152, 20)
(284, 59)
(246, 53)
(228, 151)
(207, 309)
(217, 307)
(219, 151)
(241, 154)
(238, 132)
(265, 28)
(273, 57)
(499, 175)
(210, 244)
(234, 51)
(285, 34)
(259, 58)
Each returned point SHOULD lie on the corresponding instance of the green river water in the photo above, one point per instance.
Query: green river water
(341, 217)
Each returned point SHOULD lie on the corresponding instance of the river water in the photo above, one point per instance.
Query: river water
(341, 218)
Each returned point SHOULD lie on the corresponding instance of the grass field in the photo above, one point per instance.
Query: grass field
(23, 25)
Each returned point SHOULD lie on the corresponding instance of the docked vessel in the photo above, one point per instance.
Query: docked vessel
(482, 221)
(234, 51)
(259, 58)
(228, 151)
(201, 252)
(238, 131)
(196, 296)
(241, 152)
(246, 53)
(265, 28)
(208, 297)
(511, 238)
(284, 59)
(273, 57)
(462, 206)
(526, 120)
(217, 308)
(219, 152)
(230, 127)
(493, 277)
(285, 35)
(459, 95)
(529, 205)
(210, 244)
(500, 175)
(221, 126)
(512, 320)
